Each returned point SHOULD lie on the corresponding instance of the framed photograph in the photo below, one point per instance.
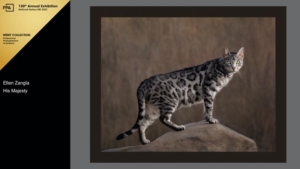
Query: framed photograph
(187, 84)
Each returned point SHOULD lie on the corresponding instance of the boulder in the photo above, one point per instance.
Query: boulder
(197, 137)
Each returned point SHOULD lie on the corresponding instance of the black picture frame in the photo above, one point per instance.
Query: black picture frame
(96, 156)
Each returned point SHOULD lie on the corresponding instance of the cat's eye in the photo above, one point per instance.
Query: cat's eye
(228, 62)
(238, 62)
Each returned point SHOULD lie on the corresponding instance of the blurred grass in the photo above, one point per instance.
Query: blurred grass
(133, 49)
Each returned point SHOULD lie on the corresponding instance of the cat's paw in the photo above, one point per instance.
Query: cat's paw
(146, 141)
(212, 120)
(180, 128)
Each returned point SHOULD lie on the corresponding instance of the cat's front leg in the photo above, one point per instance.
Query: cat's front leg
(209, 96)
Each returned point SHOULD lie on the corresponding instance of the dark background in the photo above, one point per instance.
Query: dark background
(36, 125)
(133, 49)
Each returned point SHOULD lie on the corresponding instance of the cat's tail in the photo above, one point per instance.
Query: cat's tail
(128, 133)
(141, 105)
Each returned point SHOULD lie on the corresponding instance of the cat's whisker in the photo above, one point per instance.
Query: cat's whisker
(240, 74)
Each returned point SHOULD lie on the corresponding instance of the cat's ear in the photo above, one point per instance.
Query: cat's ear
(240, 53)
(225, 52)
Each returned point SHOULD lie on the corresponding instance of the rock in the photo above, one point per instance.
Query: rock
(197, 137)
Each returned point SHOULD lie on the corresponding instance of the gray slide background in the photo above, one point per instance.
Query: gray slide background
(80, 82)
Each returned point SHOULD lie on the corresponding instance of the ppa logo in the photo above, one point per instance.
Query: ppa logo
(8, 7)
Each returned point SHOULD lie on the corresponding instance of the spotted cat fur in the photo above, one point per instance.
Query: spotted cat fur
(161, 95)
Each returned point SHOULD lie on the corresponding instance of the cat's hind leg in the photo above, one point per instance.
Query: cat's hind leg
(165, 118)
(167, 106)
(142, 130)
(151, 114)
(142, 121)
